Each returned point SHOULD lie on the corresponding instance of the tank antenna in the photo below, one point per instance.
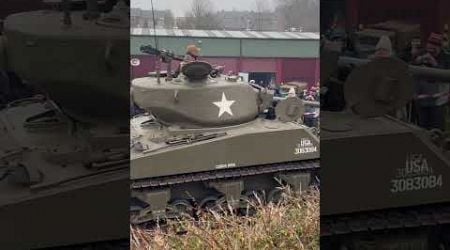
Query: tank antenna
(156, 44)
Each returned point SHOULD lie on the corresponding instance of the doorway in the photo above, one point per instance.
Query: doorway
(262, 78)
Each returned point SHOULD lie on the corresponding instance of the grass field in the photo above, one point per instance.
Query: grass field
(291, 224)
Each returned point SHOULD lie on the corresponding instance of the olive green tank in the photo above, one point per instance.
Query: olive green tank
(384, 181)
(204, 141)
(73, 57)
(64, 163)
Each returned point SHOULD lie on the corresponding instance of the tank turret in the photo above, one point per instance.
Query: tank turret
(194, 99)
(379, 87)
(200, 98)
(73, 56)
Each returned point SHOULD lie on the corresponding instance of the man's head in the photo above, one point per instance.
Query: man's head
(434, 44)
(383, 48)
(193, 50)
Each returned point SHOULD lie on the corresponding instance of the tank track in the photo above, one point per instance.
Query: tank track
(223, 174)
(415, 225)
(228, 185)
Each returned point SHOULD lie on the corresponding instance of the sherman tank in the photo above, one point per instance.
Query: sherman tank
(205, 141)
(46, 46)
(386, 179)
(64, 163)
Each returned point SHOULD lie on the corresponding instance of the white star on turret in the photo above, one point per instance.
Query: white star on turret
(224, 105)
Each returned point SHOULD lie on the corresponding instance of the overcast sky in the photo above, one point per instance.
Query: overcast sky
(179, 7)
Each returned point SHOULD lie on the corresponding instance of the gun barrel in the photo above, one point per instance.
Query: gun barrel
(148, 49)
(313, 104)
(417, 71)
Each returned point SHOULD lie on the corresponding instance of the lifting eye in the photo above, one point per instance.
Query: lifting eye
(43, 120)
(45, 116)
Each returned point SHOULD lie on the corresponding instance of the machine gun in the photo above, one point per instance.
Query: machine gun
(166, 56)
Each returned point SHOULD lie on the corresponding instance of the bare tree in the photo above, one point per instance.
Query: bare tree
(201, 16)
(169, 20)
(299, 14)
(261, 7)
(185, 23)
(201, 8)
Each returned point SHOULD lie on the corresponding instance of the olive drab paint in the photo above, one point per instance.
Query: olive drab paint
(198, 133)
(86, 60)
(381, 174)
(62, 181)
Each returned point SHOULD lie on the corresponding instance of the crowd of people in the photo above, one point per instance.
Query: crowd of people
(429, 108)
(431, 98)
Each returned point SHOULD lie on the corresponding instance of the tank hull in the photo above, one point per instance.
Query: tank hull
(405, 151)
(389, 185)
(236, 148)
(222, 169)
(48, 170)
(96, 215)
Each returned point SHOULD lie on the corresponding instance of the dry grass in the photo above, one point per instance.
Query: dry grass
(292, 224)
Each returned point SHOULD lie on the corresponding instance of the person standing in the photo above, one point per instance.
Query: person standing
(191, 55)
(383, 50)
(432, 97)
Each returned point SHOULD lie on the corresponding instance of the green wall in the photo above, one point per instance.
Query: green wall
(280, 48)
(229, 47)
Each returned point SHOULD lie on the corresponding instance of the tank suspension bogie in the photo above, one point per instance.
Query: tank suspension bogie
(250, 200)
(215, 204)
(181, 208)
(225, 194)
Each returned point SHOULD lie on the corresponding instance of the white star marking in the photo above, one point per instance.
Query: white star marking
(224, 105)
